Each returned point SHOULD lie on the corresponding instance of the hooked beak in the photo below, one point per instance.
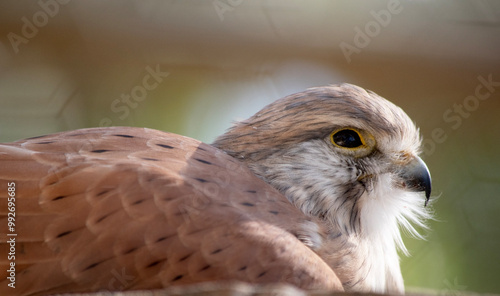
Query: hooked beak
(416, 177)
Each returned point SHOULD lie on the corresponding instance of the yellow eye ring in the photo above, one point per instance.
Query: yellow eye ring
(347, 138)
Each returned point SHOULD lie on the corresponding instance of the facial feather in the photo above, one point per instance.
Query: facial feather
(357, 194)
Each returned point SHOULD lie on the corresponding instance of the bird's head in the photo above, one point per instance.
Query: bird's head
(341, 153)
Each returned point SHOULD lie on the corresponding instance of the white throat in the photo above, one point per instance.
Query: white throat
(364, 220)
(384, 211)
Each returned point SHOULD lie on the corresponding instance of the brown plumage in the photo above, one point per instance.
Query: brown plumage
(132, 208)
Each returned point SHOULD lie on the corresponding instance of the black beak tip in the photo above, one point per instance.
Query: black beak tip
(427, 193)
(418, 178)
(426, 185)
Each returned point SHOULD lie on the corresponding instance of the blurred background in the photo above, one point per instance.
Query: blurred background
(193, 67)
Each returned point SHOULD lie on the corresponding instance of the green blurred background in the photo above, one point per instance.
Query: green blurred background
(72, 65)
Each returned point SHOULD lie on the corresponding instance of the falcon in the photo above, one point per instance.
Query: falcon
(311, 191)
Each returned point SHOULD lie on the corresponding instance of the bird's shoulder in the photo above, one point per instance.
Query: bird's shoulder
(163, 209)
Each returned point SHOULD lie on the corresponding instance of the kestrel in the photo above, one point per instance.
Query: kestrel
(310, 191)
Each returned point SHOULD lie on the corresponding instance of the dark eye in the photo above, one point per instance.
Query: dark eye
(347, 138)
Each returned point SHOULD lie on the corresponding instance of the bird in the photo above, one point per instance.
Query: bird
(314, 191)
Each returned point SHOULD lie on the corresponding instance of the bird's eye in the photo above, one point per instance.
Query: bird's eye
(347, 138)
